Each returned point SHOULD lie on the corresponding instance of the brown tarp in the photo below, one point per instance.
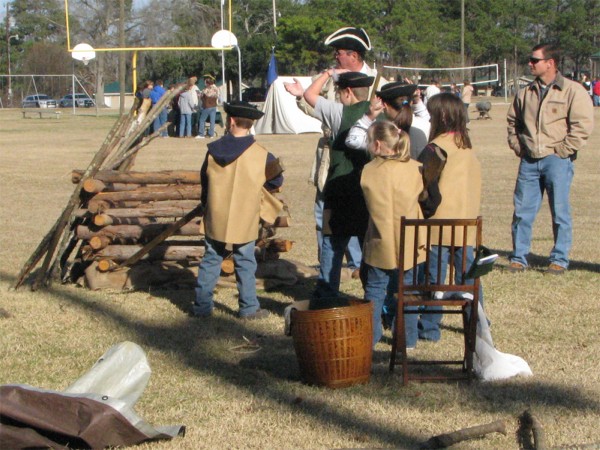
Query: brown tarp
(37, 418)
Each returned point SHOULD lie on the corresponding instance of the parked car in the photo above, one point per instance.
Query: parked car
(254, 94)
(80, 100)
(39, 101)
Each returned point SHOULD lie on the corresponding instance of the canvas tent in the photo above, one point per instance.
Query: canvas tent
(282, 115)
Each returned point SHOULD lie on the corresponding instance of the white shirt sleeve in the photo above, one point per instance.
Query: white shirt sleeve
(420, 110)
(357, 136)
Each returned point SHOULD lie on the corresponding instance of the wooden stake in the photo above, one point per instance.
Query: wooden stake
(448, 439)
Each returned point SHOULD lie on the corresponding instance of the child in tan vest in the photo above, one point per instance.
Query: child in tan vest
(391, 185)
(232, 179)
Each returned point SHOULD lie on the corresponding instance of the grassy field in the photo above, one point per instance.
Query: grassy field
(231, 399)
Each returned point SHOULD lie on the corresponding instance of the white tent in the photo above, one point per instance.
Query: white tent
(282, 115)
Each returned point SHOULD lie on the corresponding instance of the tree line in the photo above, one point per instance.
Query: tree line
(416, 33)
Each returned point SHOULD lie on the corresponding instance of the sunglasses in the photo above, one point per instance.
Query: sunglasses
(534, 61)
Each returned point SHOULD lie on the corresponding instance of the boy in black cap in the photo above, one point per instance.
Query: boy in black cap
(345, 213)
(232, 178)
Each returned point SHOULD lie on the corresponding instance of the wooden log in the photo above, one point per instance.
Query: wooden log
(94, 186)
(131, 177)
(166, 207)
(105, 265)
(279, 245)
(136, 232)
(227, 267)
(99, 242)
(144, 210)
(153, 193)
(168, 251)
(531, 433)
(448, 439)
(199, 210)
(102, 220)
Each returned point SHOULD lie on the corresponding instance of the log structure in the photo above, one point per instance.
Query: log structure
(150, 218)
(127, 229)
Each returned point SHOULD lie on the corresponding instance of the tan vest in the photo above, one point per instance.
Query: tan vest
(460, 187)
(391, 189)
(234, 197)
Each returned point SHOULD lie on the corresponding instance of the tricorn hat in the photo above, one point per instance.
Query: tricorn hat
(397, 89)
(242, 109)
(354, 80)
(350, 38)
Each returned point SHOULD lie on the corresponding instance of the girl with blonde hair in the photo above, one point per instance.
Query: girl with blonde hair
(391, 185)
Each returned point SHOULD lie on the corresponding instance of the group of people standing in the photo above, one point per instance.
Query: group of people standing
(193, 107)
(395, 154)
(385, 155)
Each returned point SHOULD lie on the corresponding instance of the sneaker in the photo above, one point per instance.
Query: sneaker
(259, 314)
(199, 137)
(515, 267)
(555, 269)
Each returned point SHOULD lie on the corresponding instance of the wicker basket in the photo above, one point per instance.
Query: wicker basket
(334, 346)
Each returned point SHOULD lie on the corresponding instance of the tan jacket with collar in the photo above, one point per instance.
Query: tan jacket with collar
(560, 124)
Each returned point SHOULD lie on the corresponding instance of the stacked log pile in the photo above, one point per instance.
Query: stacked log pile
(125, 229)
(125, 211)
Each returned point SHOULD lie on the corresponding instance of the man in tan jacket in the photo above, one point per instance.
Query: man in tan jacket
(232, 179)
(549, 121)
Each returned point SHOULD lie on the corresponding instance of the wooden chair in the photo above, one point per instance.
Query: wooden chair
(421, 293)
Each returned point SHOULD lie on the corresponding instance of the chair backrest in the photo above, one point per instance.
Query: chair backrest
(417, 235)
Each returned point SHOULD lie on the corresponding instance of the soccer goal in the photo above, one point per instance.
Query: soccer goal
(485, 77)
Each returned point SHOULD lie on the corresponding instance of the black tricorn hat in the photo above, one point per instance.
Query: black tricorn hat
(354, 80)
(350, 38)
(397, 89)
(243, 109)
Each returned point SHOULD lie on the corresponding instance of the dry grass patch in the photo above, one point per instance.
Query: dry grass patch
(229, 398)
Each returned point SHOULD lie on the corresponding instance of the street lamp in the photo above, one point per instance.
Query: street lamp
(16, 36)
(226, 39)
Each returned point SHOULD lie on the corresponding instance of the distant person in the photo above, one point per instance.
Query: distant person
(208, 98)
(549, 121)
(596, 91)
(155, 95)
(232, 177)
(391, 184)
(454, 89)
(433, 89)
(467, 93)
(186, 110)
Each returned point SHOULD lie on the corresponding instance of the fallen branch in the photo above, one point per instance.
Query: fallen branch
(530, 434)
(448, 439)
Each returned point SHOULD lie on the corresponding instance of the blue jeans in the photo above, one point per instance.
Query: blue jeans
(210, 269)
(160, 120)
(553, 175)
(332, 255)
(185, 125)
(353, 250)
(596, 99)
(429, 324)
(381, 286)
(207, 113)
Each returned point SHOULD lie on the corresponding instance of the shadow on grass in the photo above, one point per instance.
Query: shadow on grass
(272, 374)
(540, 263)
